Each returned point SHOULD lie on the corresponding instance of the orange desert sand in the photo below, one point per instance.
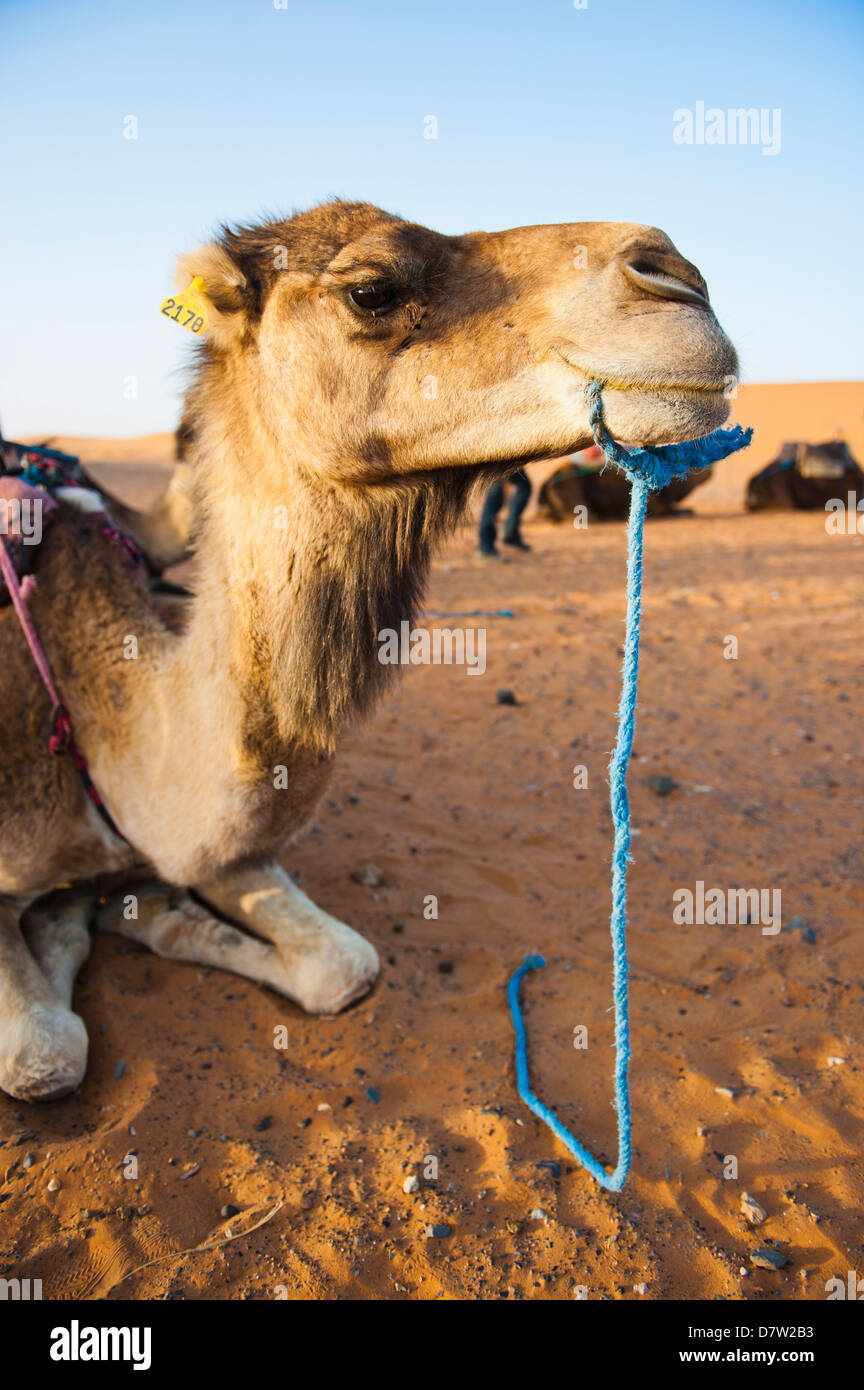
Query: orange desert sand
(745, 1046)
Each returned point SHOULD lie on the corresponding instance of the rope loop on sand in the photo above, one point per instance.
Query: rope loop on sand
(648, 470)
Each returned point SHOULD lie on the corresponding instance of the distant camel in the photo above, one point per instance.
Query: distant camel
(805, 478)
(586, 481)
(161, 532)
(359, 376)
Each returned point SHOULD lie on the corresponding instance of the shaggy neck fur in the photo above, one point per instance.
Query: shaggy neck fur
(298, 578)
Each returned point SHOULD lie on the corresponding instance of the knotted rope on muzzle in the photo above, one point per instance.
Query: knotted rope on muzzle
(648, 471)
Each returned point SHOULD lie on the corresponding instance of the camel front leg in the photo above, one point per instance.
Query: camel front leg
(176, 927)
(328, 964)
(43, 1045)
(57, 930)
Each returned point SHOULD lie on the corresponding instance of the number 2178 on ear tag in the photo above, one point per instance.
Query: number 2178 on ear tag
(187, 308)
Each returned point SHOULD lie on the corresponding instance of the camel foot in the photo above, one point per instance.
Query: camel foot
(43, 1044)
(340, 968)
(43, 1052)
(328, 964)
(56, 929)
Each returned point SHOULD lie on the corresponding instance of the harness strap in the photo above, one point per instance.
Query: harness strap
(61, 740)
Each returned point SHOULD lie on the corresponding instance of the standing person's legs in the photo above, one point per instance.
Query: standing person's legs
(520, 492)
(491, 508)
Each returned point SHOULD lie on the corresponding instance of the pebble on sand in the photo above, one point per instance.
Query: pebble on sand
(800, 924)
(552, 1164)
(438, 1231)
(660, 784)
(369, 875)
(752, 1210)
(506, 697)
(767, 1258)
(411, 1184)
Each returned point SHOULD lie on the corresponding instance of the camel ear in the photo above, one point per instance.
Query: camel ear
(224, 289)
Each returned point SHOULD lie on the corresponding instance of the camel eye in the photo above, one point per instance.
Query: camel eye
(377, 295)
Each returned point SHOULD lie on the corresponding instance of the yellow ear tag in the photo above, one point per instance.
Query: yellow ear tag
(187, 308)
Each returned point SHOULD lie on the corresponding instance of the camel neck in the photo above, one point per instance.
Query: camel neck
(298, 577)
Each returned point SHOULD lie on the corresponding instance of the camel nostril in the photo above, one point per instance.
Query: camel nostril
(658, 280)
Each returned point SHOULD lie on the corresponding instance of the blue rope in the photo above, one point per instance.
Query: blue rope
(648, 470)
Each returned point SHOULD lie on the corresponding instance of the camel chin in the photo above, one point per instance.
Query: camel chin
(648, 418)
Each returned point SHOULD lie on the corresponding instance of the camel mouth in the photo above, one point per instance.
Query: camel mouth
(649, 385)
(655, 413)
(677, 388)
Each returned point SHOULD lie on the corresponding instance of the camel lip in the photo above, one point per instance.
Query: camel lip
(646, 386)
(631, 447)
(689, 388)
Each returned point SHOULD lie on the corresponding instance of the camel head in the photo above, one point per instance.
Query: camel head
(375, 349)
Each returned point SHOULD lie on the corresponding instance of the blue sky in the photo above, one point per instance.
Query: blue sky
(545, 113)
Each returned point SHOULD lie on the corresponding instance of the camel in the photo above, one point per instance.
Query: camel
(806, 477)
(605, 492)
(162, 533)
(360, 374)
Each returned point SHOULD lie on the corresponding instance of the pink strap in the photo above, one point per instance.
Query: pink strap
(14, 489)
(61, 740)
(23, 612)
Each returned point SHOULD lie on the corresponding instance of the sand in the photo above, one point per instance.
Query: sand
(746, 1046)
